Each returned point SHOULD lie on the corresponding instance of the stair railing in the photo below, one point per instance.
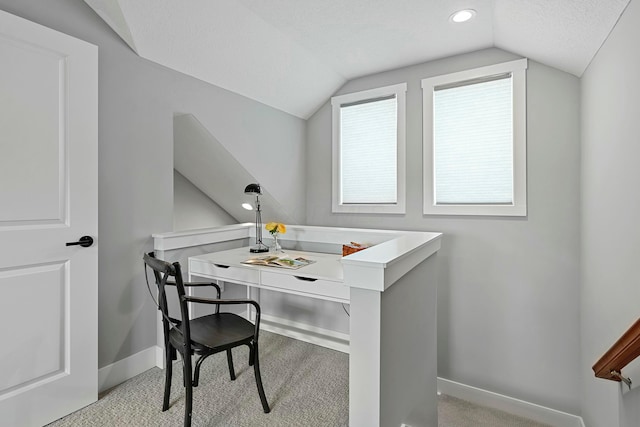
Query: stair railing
(623, 352)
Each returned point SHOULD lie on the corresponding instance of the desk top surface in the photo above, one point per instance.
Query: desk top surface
(325, 266)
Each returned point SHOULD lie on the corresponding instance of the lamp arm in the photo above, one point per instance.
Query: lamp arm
(258, 222)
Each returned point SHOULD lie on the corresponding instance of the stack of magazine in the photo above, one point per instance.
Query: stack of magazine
(281, 260)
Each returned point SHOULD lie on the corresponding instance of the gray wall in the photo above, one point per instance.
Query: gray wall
(611, 210)
(137, 102)
(193, 209)
(508, 318)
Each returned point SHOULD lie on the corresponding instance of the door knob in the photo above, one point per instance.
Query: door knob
(85, 242)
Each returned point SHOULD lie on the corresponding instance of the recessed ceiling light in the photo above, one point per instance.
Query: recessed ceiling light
(462, 15)
(247, 206)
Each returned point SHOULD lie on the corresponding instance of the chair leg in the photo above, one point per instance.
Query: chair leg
(196, 375)
(188, 400)
(232, 372)
(251, 354)
(256, 369)
(169, 351)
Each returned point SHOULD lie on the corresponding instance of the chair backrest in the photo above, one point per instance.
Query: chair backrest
(164, 271)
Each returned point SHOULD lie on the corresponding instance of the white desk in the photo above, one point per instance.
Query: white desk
(391, 289)
(322, 279)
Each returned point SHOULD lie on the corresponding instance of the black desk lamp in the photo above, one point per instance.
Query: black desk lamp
(252, 189)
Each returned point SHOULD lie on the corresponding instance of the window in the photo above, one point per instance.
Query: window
(369, 151)
(475, 141)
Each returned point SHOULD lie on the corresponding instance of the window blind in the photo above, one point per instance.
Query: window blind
(368, 151)
(473, 142)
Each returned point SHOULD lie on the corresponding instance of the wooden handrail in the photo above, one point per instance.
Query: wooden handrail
(623, 352)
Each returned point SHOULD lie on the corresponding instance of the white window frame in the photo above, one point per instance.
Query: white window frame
(517, 69)
(399, 91)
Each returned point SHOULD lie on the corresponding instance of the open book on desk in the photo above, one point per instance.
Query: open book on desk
(283, 261)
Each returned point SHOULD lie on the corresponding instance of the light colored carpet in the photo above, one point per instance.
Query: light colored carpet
(453, 412)
(306, 386)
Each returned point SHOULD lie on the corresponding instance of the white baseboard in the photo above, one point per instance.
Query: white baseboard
(124, 369)
(301, 331)
(159, 357)
(508, 404)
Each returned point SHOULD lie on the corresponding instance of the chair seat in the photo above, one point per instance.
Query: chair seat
(216, 332)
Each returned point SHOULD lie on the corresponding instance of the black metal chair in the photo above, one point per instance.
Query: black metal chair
(201, 336)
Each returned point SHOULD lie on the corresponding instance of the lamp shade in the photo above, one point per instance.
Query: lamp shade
(253, 189)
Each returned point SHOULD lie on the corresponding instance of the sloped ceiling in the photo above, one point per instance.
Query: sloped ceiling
(195, 150)
(294, 54)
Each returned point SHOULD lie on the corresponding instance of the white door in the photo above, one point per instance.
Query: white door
(48, 197)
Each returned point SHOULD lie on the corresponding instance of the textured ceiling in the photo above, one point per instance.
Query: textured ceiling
(294, 54)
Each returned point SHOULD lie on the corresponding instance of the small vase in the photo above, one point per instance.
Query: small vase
(276, 245)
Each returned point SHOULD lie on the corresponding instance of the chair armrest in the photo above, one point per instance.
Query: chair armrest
(196, 284)
(199, 284)
(222, 301)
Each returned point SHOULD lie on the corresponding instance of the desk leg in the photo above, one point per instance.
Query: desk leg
(393, 352)
(364, 358)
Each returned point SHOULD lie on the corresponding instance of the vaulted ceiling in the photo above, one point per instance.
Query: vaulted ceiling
(294, 54)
